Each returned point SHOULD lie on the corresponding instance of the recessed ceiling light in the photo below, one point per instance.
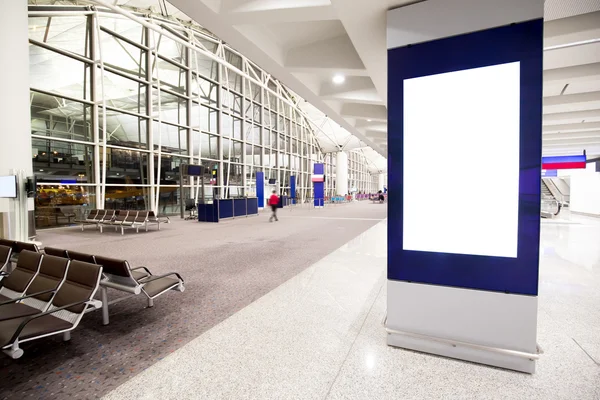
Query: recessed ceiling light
(369, 120)
(339, 79)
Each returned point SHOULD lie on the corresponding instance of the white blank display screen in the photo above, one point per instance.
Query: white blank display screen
(8, 186)
(461, 162)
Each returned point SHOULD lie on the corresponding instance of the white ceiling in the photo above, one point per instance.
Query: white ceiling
(304, 43)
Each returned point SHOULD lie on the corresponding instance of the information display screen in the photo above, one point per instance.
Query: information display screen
(461, 161)
(194, 170)
(8, 186)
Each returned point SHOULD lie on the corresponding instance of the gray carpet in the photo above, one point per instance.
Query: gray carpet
(226, 266)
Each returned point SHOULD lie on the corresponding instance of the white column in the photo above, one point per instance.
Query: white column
(15, 116)
(381, 183)
(341, 174)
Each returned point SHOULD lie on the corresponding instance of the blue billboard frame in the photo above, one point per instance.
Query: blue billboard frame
(521, 42)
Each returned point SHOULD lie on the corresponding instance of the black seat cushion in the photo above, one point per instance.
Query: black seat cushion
(160, 285)
(16, 310)
(39, 326)
(139, 274)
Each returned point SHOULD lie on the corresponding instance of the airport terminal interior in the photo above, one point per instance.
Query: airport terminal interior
(225, 199)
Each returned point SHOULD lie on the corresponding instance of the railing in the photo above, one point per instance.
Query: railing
(550, 208)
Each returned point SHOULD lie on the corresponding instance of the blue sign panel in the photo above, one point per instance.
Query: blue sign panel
(260, 188)
(319, 187)
(510, 271)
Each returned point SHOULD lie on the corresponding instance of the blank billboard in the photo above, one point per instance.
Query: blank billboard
(461, 161)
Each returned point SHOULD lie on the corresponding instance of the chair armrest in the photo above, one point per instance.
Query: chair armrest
(144, 268)
(155, 277)
(25, 297)
(27, 320)
(4, 273)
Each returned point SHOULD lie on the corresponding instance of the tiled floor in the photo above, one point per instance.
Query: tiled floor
(320, 335)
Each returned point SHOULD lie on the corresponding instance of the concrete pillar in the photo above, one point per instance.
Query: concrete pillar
(15, 116)
(341, 174)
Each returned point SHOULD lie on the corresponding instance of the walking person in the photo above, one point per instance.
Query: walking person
(274, 203)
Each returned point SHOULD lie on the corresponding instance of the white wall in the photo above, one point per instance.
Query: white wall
(15, 114)
(585, 190)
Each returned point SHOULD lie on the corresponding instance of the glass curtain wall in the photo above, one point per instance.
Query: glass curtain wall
(359, 175)
(113, 133)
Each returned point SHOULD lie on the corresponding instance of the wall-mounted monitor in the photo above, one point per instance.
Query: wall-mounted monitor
(8, 186)
(272, 181)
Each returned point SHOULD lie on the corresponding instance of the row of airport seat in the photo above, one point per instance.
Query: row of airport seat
(16, 248)
(118, 274)
(44, 296)
(48, 293)
(123, 219)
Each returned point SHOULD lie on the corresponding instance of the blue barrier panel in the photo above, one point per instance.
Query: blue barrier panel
(252, 205)
(208, 212)
(225, 208)
(239, 208)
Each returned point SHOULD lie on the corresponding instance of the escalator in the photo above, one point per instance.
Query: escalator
(550, 205)
(546, 193)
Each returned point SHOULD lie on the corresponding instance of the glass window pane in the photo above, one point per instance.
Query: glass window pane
(274, 140)
(63, 32)
(169, 48)
(252, 134)
(53, 72)
(208, 44)
(232, 102)
(227, 126)
(173, 109)
(58, 117)
(59, 204)
(233, 80)
(123, 56)
(123, 26)
(204, 89)
(233, 174)
(204, 65)
(55, 161)
(237, 128)
(126, 167)
(204, 118)
(124, 129)
(168, 200)
(127, 198)
(232, 150)
(253, 155)
(169, 168)
(173, 138)
(200, 119)
(171, 76)
(123, 93)
(206, 144)
(233, 59)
